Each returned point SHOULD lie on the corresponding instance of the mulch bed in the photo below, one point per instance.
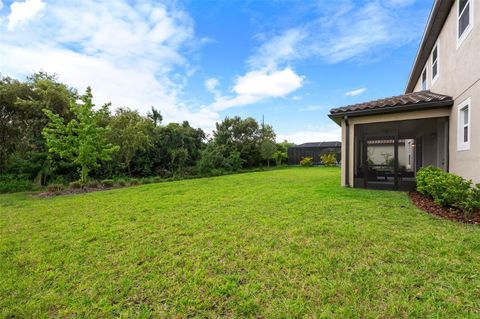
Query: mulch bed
(428, 205)
(73, 191)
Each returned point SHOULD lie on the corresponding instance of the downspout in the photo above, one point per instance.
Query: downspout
(447, 137)
(347, 151)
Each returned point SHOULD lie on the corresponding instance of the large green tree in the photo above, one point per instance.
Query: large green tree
(22, 119)
(174, 147)
(284, 146)
(267, 149)
(132, 133)
(279, 157)
(81, 140)
(244, 136)
(155, 116)
(23, 151)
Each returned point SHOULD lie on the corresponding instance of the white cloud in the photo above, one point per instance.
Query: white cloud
(1, 5)
(211, 84)
(22, 12)
(355, 92)
(343, 32)
(279, 49)
(268, 84)
(129, 53)
(365, 29)
(267, 77)
(347, 32)
(222, 103)
(326, 134)
(256, 86)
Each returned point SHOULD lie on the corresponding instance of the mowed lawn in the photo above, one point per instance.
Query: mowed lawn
(279, 244)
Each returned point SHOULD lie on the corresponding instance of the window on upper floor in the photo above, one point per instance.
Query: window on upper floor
(435, 63)
(463, 132)
(424, 79)
(465, 19)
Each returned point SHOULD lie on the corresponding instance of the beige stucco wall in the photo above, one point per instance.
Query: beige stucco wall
(459, 77)
(422, 114)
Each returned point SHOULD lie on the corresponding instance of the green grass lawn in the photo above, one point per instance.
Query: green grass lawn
(283, 244)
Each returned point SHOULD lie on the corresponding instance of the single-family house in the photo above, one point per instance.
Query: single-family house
(437, 119)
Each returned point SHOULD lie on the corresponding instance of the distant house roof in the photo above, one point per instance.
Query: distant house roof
(319, 144)
(406, 102)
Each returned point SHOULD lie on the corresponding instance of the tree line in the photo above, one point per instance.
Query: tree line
(51, 133)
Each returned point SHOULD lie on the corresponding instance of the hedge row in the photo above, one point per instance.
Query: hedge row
(448, 190)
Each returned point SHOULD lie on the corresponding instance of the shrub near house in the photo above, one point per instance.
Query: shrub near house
(306, 161)
(448, 190)
(328, 159)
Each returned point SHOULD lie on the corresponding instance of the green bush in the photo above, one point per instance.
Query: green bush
(279, 157)
(134, 182)
(12, 184)
(214, 157)
(157, 179)
(234, 162)
(217, 172)
(146, 180)
(448, 190)
(189, 171)
(55, 188)
(75, 185)
(306, 161)
(164, 173)
(108, 183)
(121, 182)
(57, 180)
(211, 158)
(93, 184)
(428, 179)
(328, 159)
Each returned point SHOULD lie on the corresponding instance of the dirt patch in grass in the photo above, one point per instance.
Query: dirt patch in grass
(428, 205)
(73, 191)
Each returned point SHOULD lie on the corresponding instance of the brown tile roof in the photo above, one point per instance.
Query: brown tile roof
(410, 99)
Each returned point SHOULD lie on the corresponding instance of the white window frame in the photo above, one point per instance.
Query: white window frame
(461, 145)
(434, 79)
(467, 31)
(426, 79)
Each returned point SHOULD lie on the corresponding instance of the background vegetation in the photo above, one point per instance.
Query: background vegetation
(52, 134)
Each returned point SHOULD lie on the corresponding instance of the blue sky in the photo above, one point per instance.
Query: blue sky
(200, 60)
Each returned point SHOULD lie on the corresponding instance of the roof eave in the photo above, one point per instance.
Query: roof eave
(337, 117)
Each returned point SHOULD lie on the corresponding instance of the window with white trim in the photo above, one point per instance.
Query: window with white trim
(435, 63)
(424, 79)
(463, 132)
(465, 19)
